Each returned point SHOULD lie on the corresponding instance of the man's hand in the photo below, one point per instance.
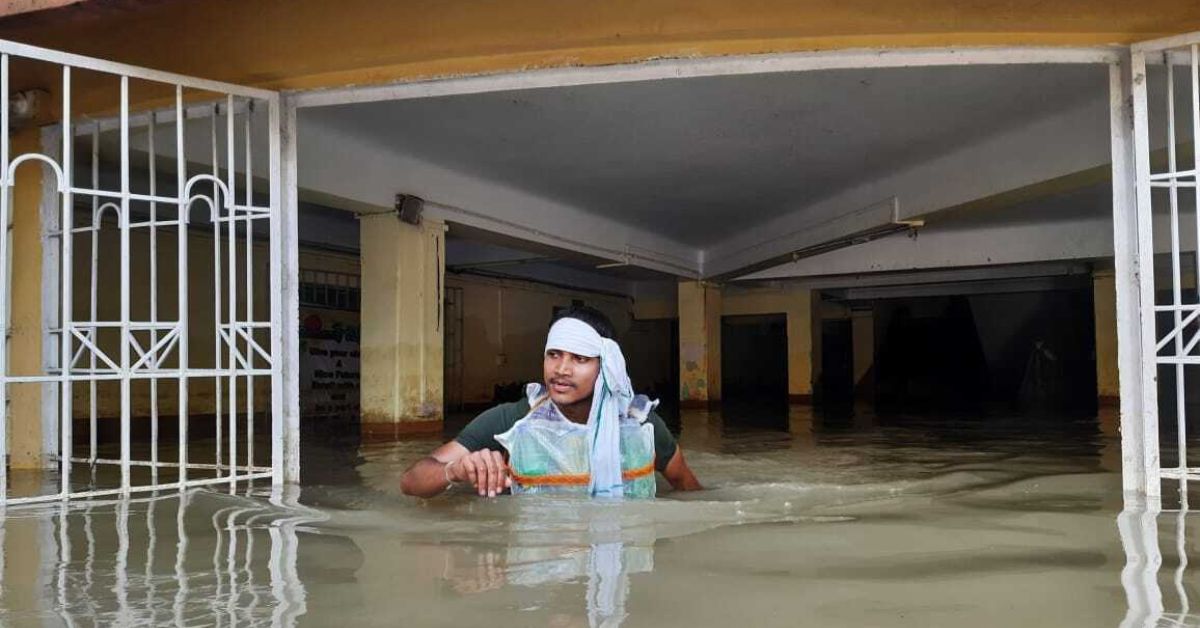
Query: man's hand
(484, 469)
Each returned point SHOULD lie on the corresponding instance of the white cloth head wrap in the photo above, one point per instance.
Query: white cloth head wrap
(610, 399)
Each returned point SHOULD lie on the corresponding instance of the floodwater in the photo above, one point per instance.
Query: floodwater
(858, 521)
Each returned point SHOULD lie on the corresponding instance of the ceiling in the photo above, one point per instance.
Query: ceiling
(696, 159)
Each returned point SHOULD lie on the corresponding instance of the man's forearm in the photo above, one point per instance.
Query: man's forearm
(426, 478)
(680, 475)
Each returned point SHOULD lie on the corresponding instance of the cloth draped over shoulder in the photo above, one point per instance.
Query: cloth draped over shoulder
(610, 400)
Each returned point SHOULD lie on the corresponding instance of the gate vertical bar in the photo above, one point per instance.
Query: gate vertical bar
(66, 442)
(184, 217)
(1194, 51)
(95, 296)
(126, 337)
(1176, 271)
(5, 194)
(50, 219)
(231, 337)
(1148, 368)
(153, 297)
(249, 171)
(218, 315)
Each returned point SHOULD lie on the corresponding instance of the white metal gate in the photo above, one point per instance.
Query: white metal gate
(161, 231)
(1166, 125)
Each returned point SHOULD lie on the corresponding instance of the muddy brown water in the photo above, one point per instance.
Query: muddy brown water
(810, 521)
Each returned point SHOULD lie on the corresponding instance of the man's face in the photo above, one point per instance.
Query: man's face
(570, 378)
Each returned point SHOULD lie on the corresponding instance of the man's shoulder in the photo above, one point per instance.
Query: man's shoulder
(509, 412)
(482, 430)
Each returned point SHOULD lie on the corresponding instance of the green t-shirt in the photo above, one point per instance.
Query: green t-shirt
(481, 432)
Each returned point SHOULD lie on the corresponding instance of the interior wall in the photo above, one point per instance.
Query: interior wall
(1104, 297)
(25, 303)
(796, 304)
(504, 330)
(330, 354)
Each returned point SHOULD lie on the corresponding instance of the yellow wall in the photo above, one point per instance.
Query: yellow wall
(796, 303)
(1105, 306)
(25, 344)
(504, 329)
(654, 308)
(317, 43)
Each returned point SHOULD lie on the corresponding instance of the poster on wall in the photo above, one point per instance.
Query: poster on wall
(329, 367)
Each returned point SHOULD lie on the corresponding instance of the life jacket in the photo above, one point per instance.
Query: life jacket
(548, 453)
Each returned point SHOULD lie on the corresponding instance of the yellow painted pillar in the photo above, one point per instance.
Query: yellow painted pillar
(699, 343)
(800, 345)
(403, 272)
(25, 342)
(816, 330)
(862, 333)
(1104, 305)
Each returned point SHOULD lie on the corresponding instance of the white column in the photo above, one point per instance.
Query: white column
(1139, 414)
(285, 294)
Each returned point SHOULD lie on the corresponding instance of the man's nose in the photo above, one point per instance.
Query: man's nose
(562, 366)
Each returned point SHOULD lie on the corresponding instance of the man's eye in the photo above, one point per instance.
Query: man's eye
(552, 354)
(582, 359)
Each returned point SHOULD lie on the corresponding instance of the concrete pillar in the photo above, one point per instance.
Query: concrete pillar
(699, 344)
(862, 333)
(403, 272)
(816, 330)
(25, 342)
(800, 345)
(1104, 306)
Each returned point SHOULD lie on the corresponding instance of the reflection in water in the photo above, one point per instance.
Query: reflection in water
(1141, 524)
(143, 561)
(832, 521)
(606, 564)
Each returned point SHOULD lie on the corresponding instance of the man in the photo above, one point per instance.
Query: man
(476, 458)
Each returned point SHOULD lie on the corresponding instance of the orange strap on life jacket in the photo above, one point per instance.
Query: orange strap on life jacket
(640, 472)
(581, 479)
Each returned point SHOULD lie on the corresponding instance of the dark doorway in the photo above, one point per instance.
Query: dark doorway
(1027, 352)
(754, 369)
(836, 383)
(651, 349)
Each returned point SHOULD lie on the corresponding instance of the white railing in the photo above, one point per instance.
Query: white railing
(1166, 125)
(137, 343)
